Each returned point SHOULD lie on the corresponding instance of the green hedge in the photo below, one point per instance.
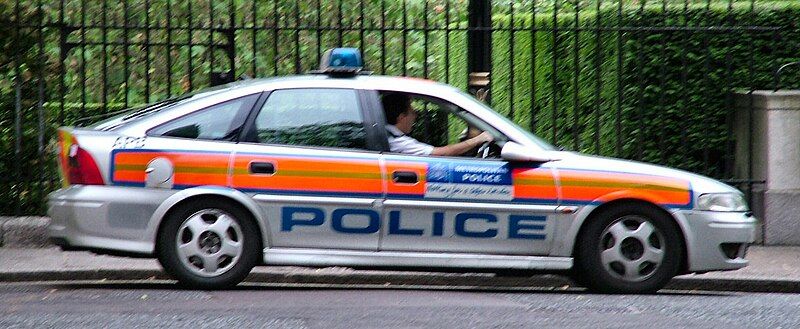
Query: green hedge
(661, 97)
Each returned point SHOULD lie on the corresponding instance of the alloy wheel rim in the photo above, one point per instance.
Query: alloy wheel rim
(209, 242)
(632, 249)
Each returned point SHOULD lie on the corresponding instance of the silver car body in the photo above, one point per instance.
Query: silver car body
(426, 230)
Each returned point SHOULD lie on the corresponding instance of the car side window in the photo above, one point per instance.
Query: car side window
(222, 121)
(440, 123)
(312, 117)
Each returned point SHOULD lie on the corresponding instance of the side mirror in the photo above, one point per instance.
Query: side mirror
(513, 151)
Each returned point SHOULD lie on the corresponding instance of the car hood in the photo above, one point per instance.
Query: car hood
(577, 161)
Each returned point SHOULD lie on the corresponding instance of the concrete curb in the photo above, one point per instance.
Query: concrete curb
(740, 285)
(24, 232)
(378, 280)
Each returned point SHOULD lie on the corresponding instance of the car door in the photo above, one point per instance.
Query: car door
(191, 148)
(467, 204)
(307, 161)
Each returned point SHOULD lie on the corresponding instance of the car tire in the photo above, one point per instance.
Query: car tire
(208, 243)
(628, 248)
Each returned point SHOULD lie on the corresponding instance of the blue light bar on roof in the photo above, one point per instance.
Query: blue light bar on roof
(341, 60)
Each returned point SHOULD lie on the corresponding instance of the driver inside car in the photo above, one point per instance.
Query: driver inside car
(400, 117)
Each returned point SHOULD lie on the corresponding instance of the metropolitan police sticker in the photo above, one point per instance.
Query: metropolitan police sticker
(438, 172)
(470, 181)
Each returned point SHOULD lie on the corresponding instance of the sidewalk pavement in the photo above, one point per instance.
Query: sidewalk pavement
(25, 256)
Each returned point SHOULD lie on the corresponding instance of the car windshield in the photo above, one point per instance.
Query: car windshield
(540, 142)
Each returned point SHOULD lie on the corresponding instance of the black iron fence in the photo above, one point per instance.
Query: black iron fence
(645, 80)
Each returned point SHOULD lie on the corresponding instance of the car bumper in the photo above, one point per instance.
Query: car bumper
(717, 240)
(104, 218)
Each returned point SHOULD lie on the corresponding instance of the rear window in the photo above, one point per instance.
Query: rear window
(113, 120)
(222, 121)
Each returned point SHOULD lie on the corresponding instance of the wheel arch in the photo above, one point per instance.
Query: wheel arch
(580, 224)
(227, 194)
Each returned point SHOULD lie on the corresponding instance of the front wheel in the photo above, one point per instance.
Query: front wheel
(628, 249)
(208, 244)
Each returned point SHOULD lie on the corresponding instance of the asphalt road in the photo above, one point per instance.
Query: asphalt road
(98, 304)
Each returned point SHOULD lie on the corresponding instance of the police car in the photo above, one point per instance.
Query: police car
(298, 171)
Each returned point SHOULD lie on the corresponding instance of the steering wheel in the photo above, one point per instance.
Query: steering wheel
(483, 150)
(489, 150)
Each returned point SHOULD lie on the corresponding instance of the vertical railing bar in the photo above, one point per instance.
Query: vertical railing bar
(340, 26)
(297, 62)
(319, 31)
(83, 58)
(685, 73)
(667, 36)
(233, 25)
(169, 48)
(275, 36)
(210, 49)
(230, 46)
(554, 128)
(405, 32)
(147, 51)
(750, 142)
(447, 41)
(598, 67)
(707, 65)
(40, 107)
(430, 116)
(190, 23)
(511, 40)
(62, 67)
(125, 51)
(750, 126)
(254, 63)
(576, 120)
(383, 36)
(104, 73)
(638, 139)
(534, 112)
(425, 40)
(618, 116)
(17, 181)
(729, 103)
(361, 32)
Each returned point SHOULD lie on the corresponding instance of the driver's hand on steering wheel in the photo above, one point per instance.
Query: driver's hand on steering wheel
(484, 137)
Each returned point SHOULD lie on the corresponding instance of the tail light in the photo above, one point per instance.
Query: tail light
(77, 165)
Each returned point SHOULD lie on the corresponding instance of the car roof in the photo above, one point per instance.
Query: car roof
(375, 82)
(366, 82)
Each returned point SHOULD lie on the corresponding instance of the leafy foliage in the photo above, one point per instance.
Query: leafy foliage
(640, 79)
(651, 82)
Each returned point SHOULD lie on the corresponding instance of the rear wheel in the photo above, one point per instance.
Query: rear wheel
(629, 248)
(208, 244)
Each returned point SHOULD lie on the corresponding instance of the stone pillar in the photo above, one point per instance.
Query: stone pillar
(772, 120)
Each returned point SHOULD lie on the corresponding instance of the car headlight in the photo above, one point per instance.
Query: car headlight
(721, 202)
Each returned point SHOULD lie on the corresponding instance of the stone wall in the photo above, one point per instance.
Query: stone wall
(767, 131)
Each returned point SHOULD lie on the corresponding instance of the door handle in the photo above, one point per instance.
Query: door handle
(408, 177)
(262, 168)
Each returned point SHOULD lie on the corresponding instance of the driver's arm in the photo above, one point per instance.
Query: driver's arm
(462, 147)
